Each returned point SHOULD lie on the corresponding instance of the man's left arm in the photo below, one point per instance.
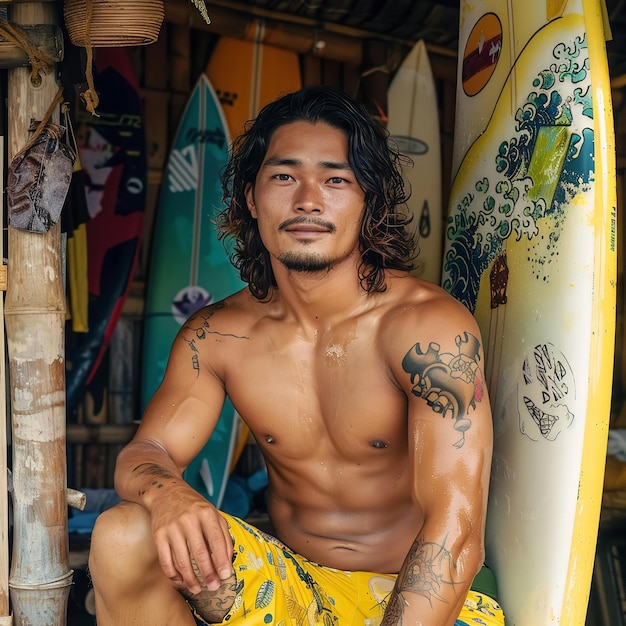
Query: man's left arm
(450, 444)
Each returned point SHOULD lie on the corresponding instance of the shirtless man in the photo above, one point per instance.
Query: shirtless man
(362, 386)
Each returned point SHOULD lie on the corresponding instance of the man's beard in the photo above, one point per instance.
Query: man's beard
(306, 263)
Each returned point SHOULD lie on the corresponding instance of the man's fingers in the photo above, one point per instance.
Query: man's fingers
(167, 563)
(196, 550)
(203, 566)
(183, 568)
(215, 564)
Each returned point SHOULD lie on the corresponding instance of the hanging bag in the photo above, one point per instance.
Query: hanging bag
(39, 177)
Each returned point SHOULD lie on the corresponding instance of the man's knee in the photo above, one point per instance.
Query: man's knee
(121, 542)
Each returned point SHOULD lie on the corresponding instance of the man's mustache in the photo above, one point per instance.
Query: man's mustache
(303, 219)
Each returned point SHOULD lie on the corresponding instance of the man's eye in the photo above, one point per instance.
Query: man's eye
(337, 180)
(283, 176)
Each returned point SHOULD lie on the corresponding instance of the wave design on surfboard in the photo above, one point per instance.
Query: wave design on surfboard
(532, 175)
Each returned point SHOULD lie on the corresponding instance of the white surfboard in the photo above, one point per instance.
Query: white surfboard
(530, 250)
(413, 124)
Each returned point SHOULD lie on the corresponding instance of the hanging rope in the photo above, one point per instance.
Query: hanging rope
(90, 95)
(40, 64)
(39, 61)
(46, 118)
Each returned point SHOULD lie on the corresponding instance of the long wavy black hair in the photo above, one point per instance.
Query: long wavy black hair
(385, 241)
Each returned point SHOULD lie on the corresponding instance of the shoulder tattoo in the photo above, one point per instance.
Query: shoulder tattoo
(451, 384)
(198, 328)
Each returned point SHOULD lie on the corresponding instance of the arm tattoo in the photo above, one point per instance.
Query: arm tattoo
(427, 570)
(451, 384)
(151, 470)
(200, 330)
(213, 606)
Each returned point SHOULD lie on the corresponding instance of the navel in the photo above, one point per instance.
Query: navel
(379, 444)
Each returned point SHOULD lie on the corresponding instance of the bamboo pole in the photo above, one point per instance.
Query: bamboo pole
(5, 613)
(40, 577)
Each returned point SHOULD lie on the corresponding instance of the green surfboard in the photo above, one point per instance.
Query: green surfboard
(189, 267)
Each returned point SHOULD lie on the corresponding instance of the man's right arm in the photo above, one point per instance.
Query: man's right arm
(177, 423)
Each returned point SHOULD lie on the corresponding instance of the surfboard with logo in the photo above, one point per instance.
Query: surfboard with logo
(531, 250)
(189, 267)
(112, 152)
(413, 124)
(263, 73)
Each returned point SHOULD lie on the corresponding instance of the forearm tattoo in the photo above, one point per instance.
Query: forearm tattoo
(198, 328)
(427, 571)
(156, 473)
(451, 384)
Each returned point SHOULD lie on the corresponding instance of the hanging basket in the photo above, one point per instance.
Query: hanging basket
(113, 23)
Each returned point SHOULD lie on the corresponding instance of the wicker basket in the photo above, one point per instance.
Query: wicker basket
(113, 23)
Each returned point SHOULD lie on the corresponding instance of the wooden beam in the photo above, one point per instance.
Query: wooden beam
(302, 35)
(100, 433)
(48, 39)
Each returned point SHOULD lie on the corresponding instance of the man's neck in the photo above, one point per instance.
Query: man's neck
(321, 298)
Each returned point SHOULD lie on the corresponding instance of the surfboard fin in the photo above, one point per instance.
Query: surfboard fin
(207, 478)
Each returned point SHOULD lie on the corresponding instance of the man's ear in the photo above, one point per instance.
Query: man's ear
(250, 200)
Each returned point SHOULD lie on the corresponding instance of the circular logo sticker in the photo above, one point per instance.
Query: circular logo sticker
(189, 300)
(482, 52)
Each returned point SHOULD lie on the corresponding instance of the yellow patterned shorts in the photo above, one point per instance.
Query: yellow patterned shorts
(278, 586)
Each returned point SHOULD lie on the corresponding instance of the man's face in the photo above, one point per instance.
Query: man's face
(306, 198)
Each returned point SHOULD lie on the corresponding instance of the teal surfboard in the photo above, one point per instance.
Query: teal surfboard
(189, 267)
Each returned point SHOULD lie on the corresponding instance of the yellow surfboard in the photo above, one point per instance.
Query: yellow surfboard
(531, 250)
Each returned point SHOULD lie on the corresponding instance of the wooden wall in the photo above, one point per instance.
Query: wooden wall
(167, 71)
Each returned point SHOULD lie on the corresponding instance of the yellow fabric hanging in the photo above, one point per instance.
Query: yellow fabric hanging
(78, 279)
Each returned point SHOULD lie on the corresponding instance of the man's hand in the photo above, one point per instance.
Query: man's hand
(191, 536)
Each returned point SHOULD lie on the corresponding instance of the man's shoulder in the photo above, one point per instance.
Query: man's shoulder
(236, 312)
(416, 297)
(421, 309)
(428, 327)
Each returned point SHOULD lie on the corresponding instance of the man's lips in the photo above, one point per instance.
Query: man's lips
(307, 225)
(305, 228)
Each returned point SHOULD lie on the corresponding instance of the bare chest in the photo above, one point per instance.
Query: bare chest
(335, 393)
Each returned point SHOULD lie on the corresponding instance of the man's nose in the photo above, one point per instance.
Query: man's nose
(308, 199)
